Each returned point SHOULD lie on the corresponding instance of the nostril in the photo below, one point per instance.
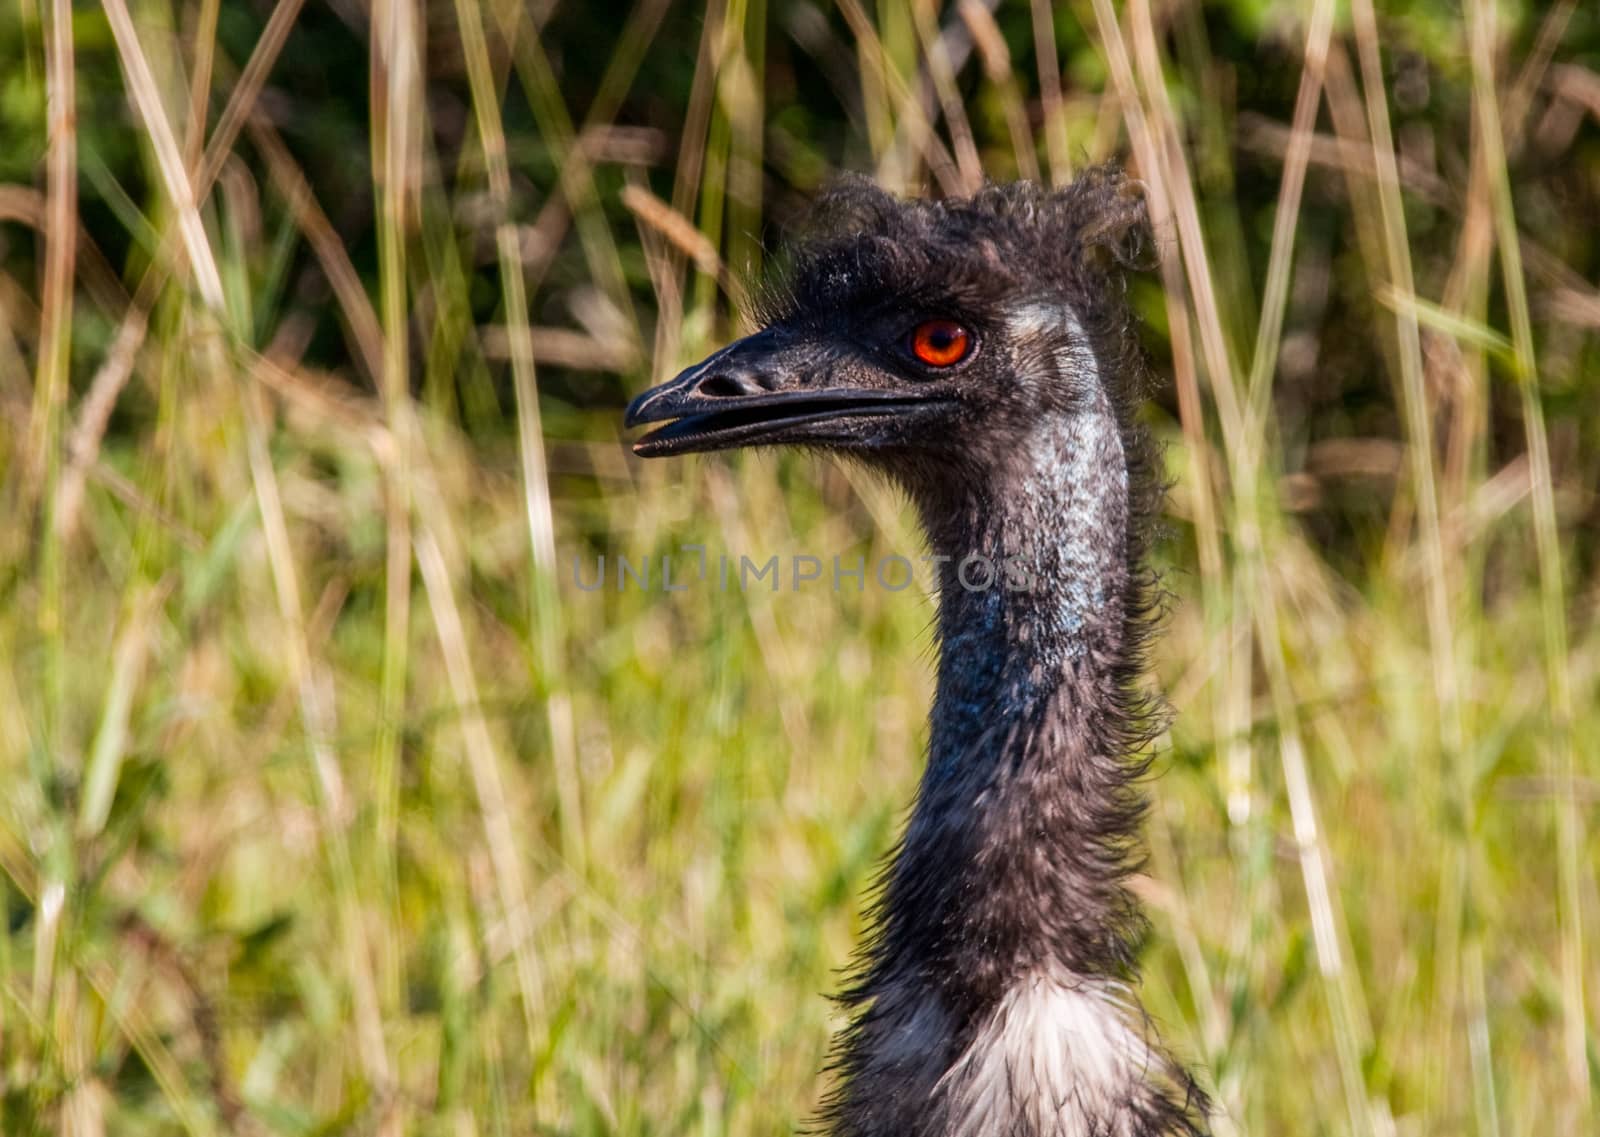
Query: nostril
(721, 387)
(732, 384)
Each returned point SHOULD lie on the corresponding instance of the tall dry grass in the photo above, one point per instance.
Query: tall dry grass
(335, 803)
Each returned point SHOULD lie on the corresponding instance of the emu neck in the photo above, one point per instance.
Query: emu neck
(1033, 581)
(993, 997)
(1012, 862)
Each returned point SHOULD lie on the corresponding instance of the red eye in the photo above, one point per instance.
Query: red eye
(940, 343)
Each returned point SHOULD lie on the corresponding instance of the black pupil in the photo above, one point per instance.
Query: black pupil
(943, 337)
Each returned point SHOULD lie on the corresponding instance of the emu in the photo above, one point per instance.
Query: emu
(981, 353)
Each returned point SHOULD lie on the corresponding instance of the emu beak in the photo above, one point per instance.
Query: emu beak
(762, 390)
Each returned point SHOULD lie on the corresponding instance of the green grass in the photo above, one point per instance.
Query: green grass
(333, 804)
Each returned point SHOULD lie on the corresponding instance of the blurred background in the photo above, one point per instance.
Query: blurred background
(333, 804)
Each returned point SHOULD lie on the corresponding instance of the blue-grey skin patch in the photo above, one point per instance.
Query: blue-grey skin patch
(1065, 457)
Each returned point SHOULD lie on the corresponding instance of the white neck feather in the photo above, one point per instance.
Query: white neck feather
(1057, 1057)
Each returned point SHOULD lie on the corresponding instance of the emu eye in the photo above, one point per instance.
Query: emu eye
(940, 343)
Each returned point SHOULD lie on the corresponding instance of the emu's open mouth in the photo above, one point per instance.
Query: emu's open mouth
(701, 423)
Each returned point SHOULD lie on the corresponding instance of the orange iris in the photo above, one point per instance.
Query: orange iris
(940, 343)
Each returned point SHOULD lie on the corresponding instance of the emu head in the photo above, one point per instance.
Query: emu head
(926, 338)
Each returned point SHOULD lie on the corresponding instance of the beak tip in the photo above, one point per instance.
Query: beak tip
(637, 413)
